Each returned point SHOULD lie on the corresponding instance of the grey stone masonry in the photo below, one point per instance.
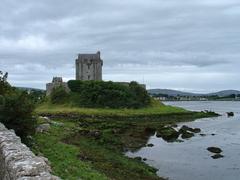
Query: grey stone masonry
(89, 67)
(17, 162)
(56, 82)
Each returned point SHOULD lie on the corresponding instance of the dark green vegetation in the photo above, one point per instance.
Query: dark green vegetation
(76, 152)
(59, 95)
(100, 94)
(16, 109)
(91, 143)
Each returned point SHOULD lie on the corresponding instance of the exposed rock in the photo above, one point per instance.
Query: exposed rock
(168, 134)
(43, 128)
(150, 145)
(187, 132)
(144, 159)
(185, 128)
(44, 118)
(179, 141)
(196, 130)
(91, 133)
(46, 161)
(214, 150)
(217, 156)
(187, 135)
(203, 135)
(230, 114)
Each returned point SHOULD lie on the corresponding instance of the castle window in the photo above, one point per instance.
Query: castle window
(89, 66)
(88, 77)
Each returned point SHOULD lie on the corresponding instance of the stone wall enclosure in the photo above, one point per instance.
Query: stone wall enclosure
(17, 162)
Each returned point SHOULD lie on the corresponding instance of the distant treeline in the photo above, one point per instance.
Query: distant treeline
(212, 97)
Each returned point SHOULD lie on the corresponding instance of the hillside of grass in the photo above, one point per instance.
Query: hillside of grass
(156, 108)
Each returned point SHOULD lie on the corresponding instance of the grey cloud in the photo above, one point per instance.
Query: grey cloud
(134, 37)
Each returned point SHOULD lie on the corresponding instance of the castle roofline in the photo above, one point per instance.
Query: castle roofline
(90, 54)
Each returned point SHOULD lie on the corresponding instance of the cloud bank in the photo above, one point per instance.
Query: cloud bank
(181, 44)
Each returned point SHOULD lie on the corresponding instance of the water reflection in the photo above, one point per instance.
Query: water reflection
(190, 159)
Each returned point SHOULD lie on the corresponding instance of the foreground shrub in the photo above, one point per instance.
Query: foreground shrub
(4, 86)
(16, 109)
(108, 94)
(17, 114)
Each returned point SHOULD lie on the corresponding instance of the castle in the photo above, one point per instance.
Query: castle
(56, 82)
(88, 67)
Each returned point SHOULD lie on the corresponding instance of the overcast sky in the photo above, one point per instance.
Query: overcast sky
(191, 45)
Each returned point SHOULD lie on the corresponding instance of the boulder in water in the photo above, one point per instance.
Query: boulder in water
(230, 114)
(217, 156)
(168, 134)
(185, 128)
(187, 135)
(214, 150)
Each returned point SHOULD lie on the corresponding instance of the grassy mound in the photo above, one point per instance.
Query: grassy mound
(155, 109)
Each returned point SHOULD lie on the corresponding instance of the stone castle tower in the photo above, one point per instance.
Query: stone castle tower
(89, 67)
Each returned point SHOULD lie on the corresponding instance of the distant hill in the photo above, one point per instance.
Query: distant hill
(225, 93)
(171, 92)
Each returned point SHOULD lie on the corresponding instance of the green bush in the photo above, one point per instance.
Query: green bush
(59, 95)
(17, 114)
(4, 86)
(16, 109)
(2, 102)
(108, 94)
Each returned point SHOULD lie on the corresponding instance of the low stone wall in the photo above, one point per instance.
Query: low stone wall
(17, 162)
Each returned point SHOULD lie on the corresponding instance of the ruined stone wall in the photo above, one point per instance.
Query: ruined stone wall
(51, 86)
(17, 162)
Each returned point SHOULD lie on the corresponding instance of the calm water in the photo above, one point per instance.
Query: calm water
(190, 160)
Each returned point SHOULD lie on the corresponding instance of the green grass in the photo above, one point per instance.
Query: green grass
(74, 152)
(155, 109)
(63, 157)
(63, 149)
